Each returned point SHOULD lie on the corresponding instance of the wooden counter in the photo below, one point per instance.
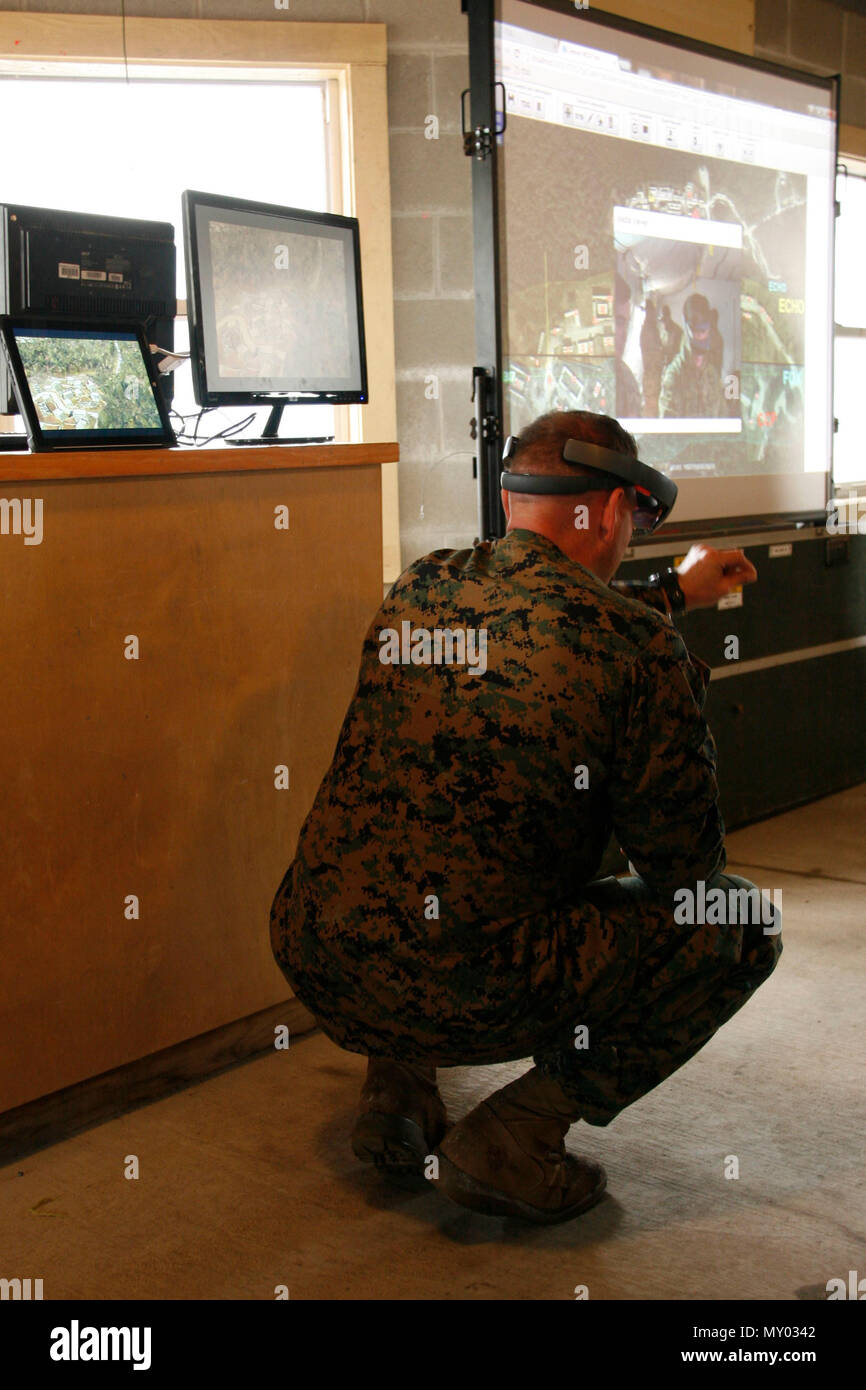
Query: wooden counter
(155, 776)
(150, 463)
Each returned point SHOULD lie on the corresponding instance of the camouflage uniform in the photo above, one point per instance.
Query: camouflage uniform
(438, 906)
(687, 390)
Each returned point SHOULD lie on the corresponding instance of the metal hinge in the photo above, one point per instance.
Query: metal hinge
(489, 420)
(478, 141)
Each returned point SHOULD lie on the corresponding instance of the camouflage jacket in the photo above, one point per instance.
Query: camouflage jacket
(686, 391)
(470, 800)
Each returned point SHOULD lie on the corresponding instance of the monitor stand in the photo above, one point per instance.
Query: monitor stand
(271, 433)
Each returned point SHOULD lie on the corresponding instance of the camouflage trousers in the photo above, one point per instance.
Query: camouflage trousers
(608, 1035)
(687, 983)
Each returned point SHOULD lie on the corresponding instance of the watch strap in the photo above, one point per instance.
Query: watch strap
(668, 580)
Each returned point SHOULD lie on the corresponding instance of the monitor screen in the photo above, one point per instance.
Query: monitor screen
(83, 385)
(275, 303)
(667, 236)
(87, 266)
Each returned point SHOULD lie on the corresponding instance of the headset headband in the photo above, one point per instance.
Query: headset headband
(622, 468)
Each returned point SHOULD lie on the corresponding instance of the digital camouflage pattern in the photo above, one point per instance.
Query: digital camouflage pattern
(437, 908)
(689, 390)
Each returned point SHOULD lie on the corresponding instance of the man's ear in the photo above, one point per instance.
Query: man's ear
(506, 504)
(610, 513)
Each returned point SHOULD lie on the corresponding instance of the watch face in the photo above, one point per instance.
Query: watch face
(671, 583)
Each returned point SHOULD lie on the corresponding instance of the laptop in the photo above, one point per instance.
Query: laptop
(85, 383)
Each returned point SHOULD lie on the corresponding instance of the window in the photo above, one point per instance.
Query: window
(249, 133)
(849, 451)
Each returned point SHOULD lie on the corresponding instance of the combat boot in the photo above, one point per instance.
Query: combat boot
(507, 1156)
(401, 1116)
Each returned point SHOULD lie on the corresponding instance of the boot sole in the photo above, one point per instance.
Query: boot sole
(467, 1191)
(391, 1142)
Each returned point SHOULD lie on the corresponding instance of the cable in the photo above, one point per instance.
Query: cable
(182, 436)
(169, 352)
(232, 429)
(192, 440)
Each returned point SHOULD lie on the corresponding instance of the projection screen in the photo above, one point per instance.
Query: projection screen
(666, 232)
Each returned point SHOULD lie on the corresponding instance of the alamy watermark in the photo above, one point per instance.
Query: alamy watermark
(443, 646)
(855, 1288)
(22, 516)
(846, 515)
(77, 1343)
(23, 1289)
(719, 906)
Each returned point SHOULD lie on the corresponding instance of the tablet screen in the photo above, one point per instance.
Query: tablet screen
(91, 383)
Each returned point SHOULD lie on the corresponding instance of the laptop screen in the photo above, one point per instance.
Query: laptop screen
(88, 384)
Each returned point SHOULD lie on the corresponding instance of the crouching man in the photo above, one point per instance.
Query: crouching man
(444, 906)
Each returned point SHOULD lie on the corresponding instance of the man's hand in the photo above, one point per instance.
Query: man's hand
(707, 574)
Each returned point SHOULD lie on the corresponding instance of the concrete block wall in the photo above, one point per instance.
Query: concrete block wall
(820, 37)
(431, 204)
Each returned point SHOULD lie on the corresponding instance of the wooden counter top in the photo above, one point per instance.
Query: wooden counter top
(17, 466)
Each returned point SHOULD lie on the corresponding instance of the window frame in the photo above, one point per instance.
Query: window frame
(852, 167)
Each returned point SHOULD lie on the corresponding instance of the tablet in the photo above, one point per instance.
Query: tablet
(85, 383)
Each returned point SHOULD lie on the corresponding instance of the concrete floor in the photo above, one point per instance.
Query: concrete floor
(247, 1180)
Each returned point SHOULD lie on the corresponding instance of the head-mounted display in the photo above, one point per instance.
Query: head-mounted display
(654, 492)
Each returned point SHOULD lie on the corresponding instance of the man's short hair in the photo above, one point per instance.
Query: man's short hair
(542, 442)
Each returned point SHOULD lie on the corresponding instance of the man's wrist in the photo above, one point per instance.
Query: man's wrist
(667, 581)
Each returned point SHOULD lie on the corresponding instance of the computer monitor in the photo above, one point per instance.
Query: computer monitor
(86, 265)
(274, 305)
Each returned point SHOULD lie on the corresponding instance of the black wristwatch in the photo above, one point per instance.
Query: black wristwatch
(669, 581)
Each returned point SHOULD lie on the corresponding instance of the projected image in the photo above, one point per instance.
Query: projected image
(677, 307)
(772, 403)
(280, 304)
(661, 282)
(567, 316)
(88, 383)
(536, 384)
